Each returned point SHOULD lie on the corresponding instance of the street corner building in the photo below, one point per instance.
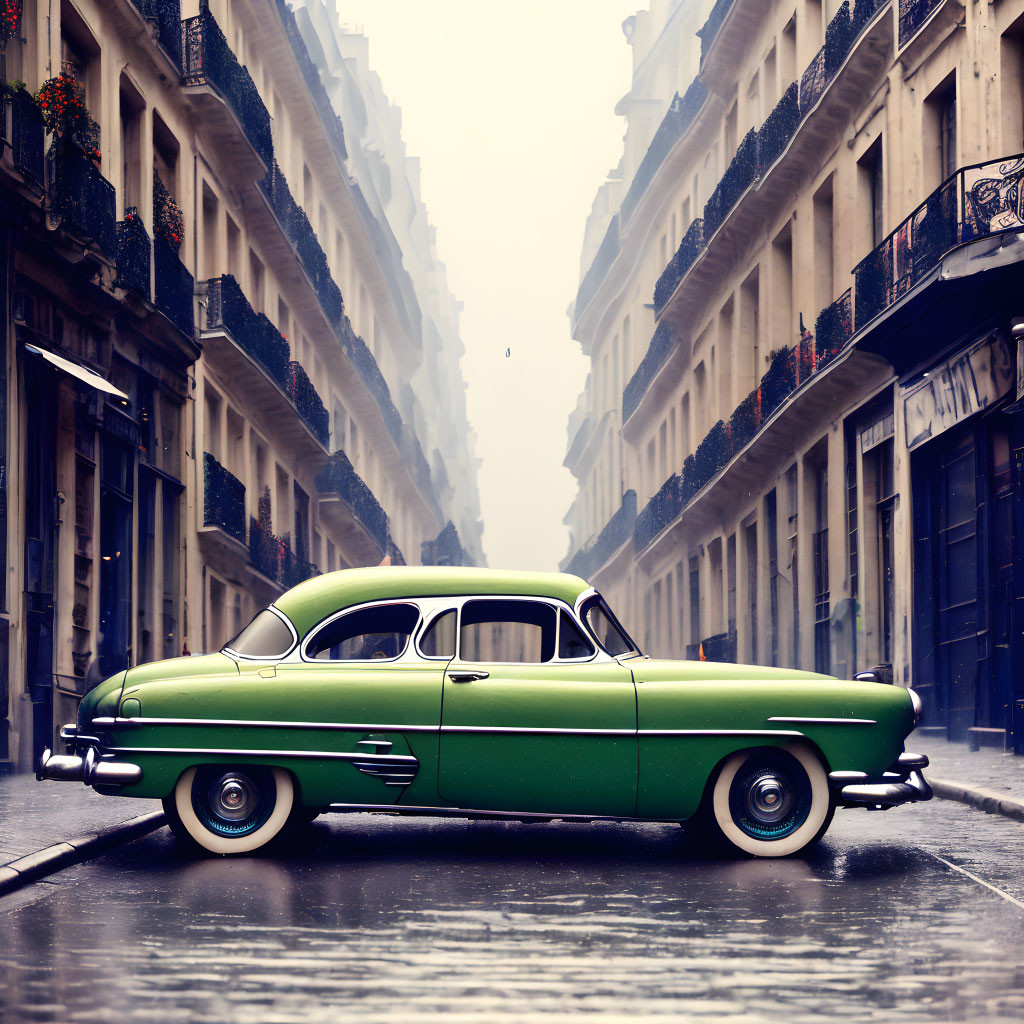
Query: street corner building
(231, 358)
(800, 442)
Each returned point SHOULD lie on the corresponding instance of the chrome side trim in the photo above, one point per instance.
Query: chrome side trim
(823, 721)
(719, 732)
(255, 723)
(316, 755)
(465, 812)
(466, 729)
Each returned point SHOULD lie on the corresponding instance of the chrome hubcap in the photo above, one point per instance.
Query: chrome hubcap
(769, 798)
(234, 797)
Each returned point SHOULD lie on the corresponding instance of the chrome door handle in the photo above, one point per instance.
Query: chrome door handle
(468, 676)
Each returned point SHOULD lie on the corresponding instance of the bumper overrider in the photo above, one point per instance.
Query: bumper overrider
(85, 762)
(902, 783)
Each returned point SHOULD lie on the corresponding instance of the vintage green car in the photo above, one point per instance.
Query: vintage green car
(478, 693)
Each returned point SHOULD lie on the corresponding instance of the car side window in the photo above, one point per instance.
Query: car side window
(571, 642)
(438, 640)
(370, 634)
(507, 631)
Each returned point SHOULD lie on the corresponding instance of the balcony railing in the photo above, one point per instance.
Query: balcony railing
(300, 233)
(26, 134)
(167, 16)
(208, 60)
(720, 647)
(975, 202)
(174, 287)
(445, 549)
(790, 368)
(366, 366)
(913, 14)
(339, 477)
(133, 254)
(616, 532)
(256, 335)
(709, 30)
(761, 148)
(270, 555)
(308, 404)
(681, 114)
(85, 200)
(223, 499)
(661, 346)
(606, 253)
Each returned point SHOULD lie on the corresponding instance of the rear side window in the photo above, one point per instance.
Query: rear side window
(507, 631)
(267, 636)
(438, 640)
(371, 634)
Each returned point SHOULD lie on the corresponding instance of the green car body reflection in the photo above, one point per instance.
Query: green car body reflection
(478, 692)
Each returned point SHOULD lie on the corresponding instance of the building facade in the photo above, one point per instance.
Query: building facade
(819, 383)
(212, 377)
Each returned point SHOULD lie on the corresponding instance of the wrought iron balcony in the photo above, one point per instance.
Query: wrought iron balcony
(617, 531)
(26, 134)
(975, 202)
(445, 549)
(133, 254)
(606, 253)
(709, 31)
(339, 478)
(271, 556)
(662, 345)
(207, 60)
(293, 570)
(85, 200)
(720, 647)
(223, 499)
(300, 233)
(254, 333)
(366, 366)
(307, 402)
(166, 15)
(913, 15)
(174, 287)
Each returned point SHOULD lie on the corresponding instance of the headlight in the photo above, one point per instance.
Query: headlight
(916, 704)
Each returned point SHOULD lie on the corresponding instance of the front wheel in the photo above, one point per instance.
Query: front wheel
(773, 801)
(230, 809)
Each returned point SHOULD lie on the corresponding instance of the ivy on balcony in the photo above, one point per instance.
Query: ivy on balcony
(712, 454)
(207, 59)
(339, 477)
(133, 254)
(661, 346)
(166, 14)
(778, 129)
(223, 499)
(275, 559)
(685, 256)
(308, 404)
(174, 287)
(300, 233)
(721, 647)
(680, 115)
(833, 329)
(445, 549)
(257, 336)
(616, 532)
(710, 28)
(739, 176)
(659, 512)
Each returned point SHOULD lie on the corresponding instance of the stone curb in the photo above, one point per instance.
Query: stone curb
(984, 799)
(34, 866)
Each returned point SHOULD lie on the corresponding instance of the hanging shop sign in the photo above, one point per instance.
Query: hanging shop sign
(950, 393)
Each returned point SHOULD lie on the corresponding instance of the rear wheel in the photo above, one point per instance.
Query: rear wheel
(229, 809)
(773, 801)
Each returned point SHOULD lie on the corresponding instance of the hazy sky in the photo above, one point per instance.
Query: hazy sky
(509, 107)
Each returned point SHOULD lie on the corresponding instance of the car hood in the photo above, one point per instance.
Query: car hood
(665, 670)
(182, 668)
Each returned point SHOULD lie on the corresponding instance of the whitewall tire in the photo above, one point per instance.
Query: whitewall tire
(231, 809)
(772, 801)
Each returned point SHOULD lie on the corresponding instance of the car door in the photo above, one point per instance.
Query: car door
(372, 703)
(533, 719)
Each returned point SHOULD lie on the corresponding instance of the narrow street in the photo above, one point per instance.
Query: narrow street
(415, 919)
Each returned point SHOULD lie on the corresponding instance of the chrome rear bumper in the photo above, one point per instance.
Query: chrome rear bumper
(902, 784)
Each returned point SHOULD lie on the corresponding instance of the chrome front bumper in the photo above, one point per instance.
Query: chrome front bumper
(902, 784)
(90, 767)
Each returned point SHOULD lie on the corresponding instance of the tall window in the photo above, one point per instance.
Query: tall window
(822, 610)
(751, 544)
(771, 519)
(871, 187)
(132, 105)
(939, 133)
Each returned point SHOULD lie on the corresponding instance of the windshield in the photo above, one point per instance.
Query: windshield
(267, 636)
(606, 628)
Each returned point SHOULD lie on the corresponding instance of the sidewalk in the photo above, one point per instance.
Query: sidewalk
(986, 778)
(47, 825)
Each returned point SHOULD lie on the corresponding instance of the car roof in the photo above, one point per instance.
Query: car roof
(320, 596)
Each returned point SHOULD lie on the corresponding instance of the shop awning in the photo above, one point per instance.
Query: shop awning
(76, 370)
